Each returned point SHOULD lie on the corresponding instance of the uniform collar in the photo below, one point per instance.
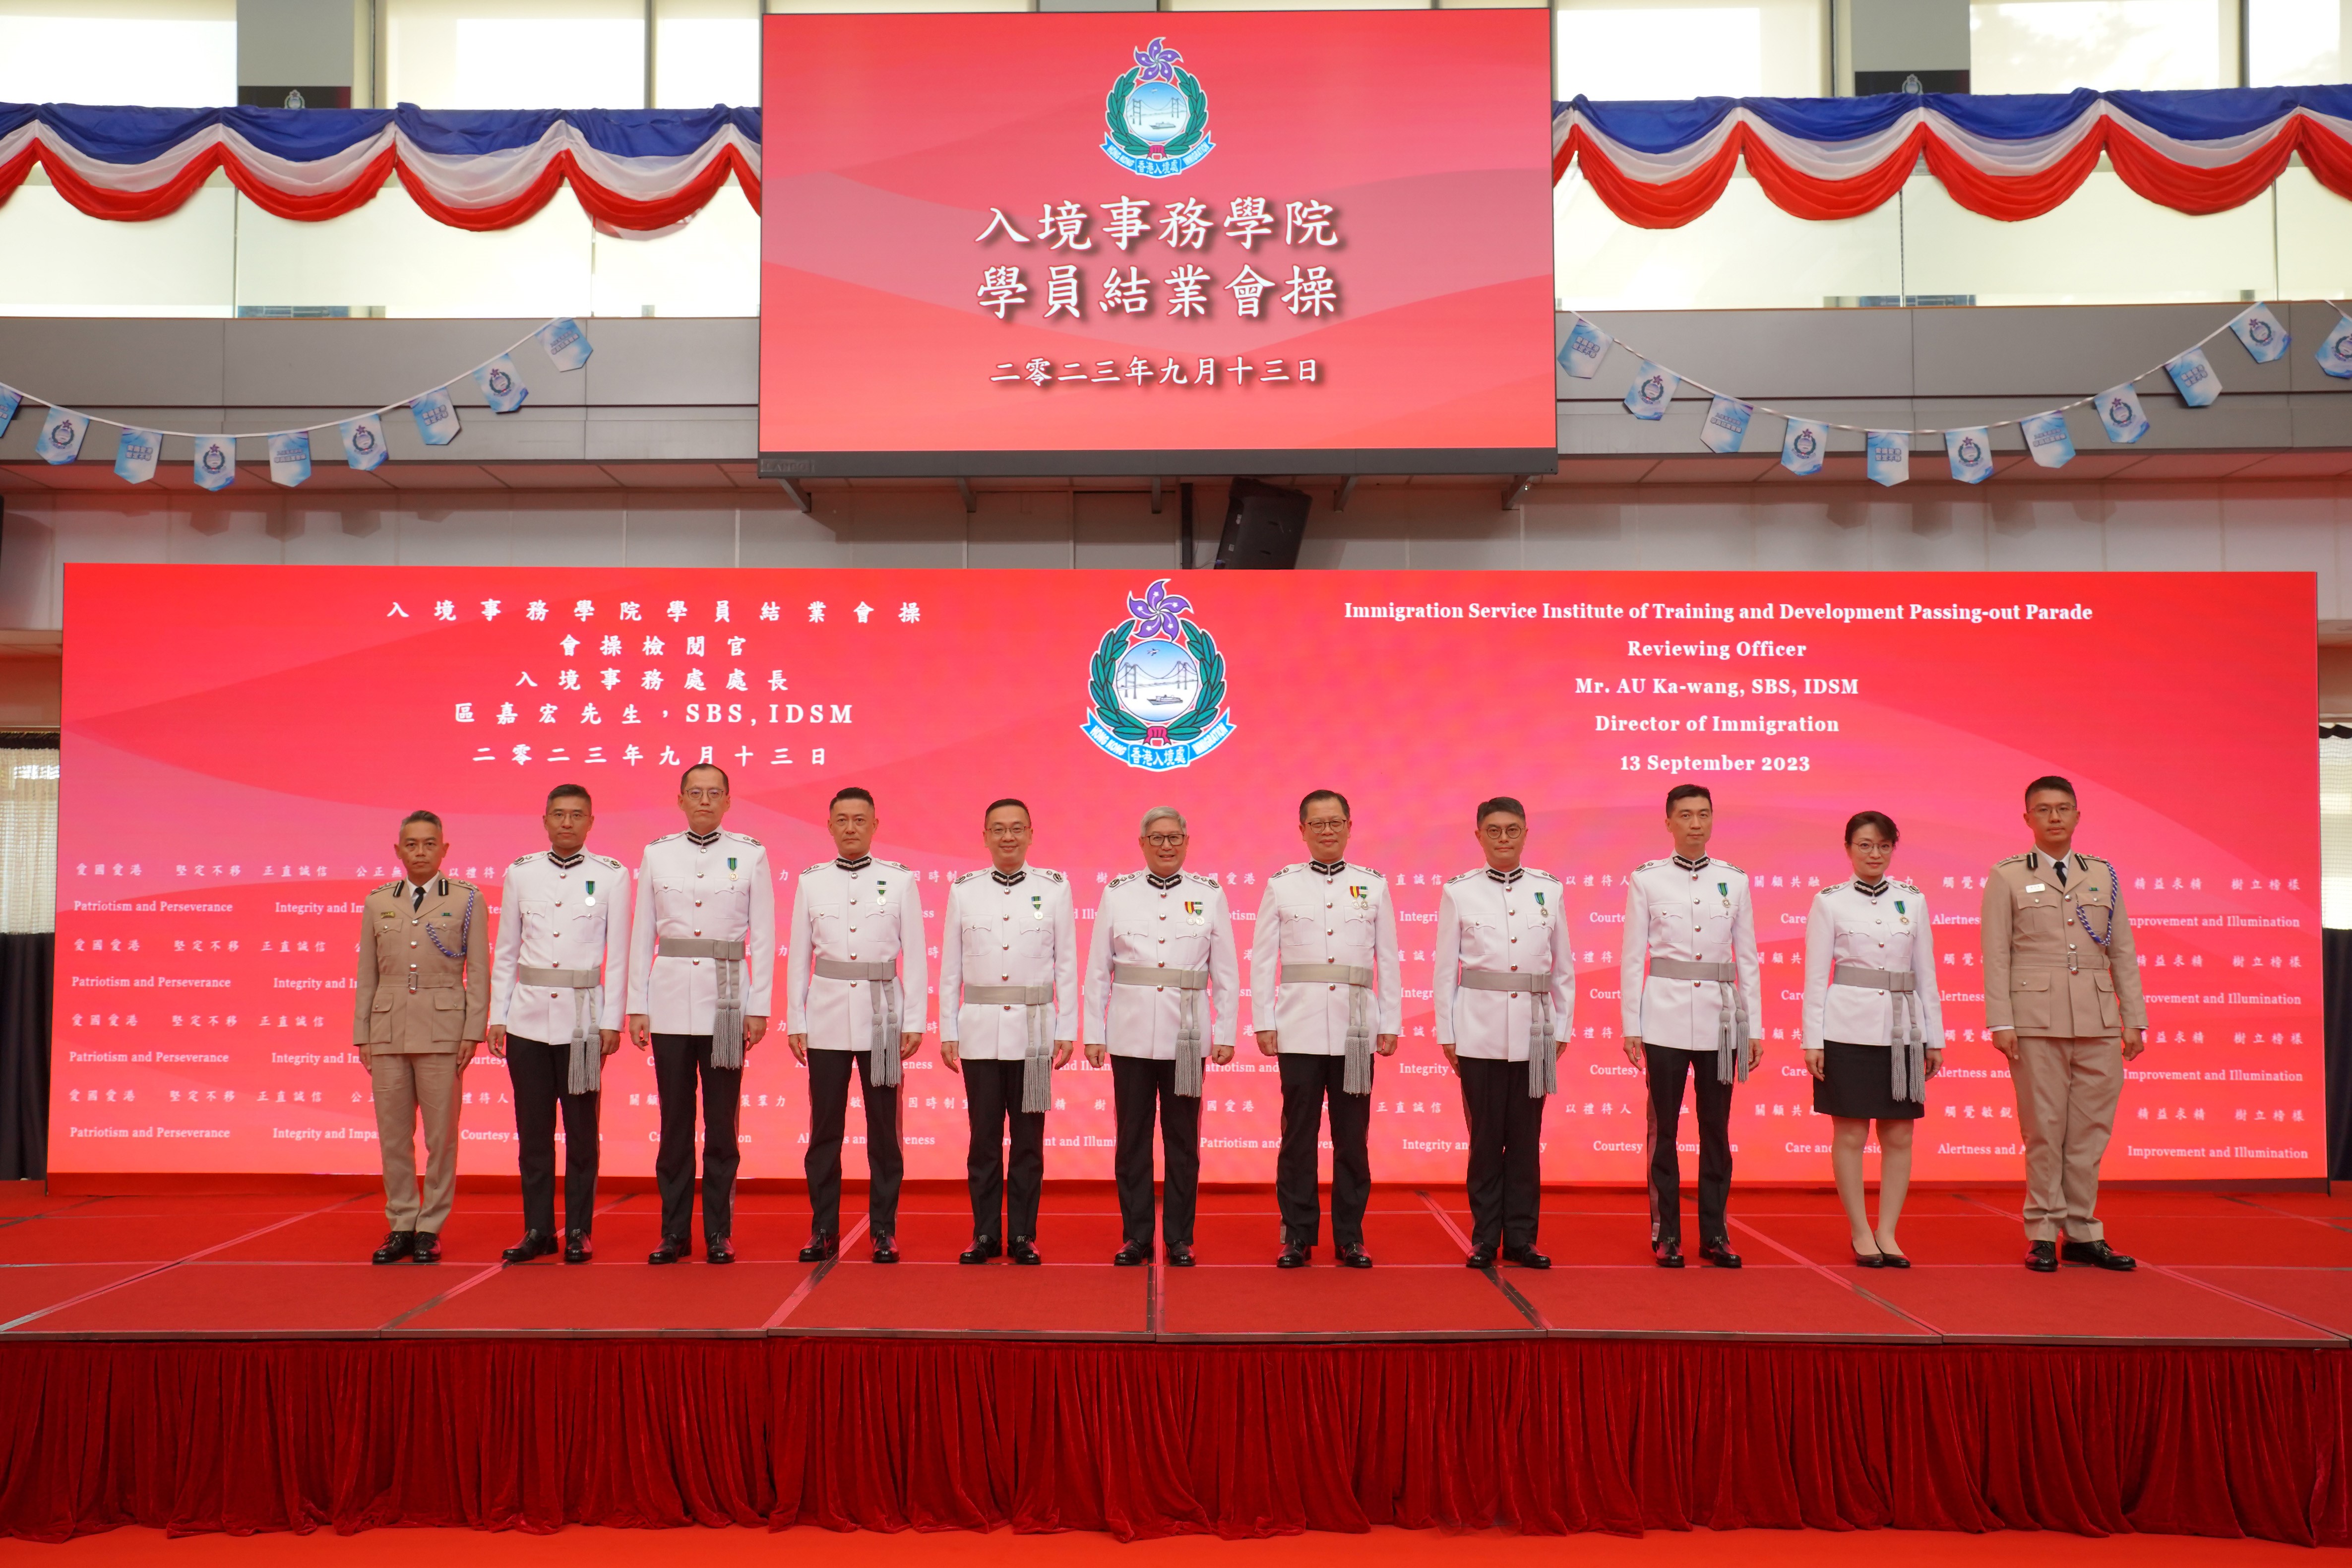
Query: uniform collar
(2035, 858)
(1164, 884)
(703, 840)
(1506, 877)
(1693, 867)
(565, 862)
(1327, 868)
(853, 867)
(1871, 889)
(1008, 879)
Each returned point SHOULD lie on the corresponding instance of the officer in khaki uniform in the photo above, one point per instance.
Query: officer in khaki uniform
(2062, 997)
(421, 1006)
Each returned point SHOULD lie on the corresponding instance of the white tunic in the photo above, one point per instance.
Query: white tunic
(869, 914)
(721, 891)
(1184, 926)
(1022, 932)
(1699, 916)
(556, 917)
(1311, 916)
(1885, 930)
(1511, 922)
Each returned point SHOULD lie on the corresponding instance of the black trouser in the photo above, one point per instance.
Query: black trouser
(1143, 1090)
(1307, 1080)
(1506, 1172)
(537, 1072)
(680, 1061)
(992, 1090)
(1668, 1067)
(828, 1115)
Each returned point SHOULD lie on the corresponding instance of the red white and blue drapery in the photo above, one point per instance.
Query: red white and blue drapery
(1659, 166)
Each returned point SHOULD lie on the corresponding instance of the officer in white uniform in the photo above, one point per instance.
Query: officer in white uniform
(1326, 994)
(702, 947)
(1693, 995)
(1162, 988)
(1504, 996)
(1008, 1018)
(559, 984)
(858, 990)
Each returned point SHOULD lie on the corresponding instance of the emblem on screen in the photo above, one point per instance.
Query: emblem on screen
(1157, 115)
(1156, 687)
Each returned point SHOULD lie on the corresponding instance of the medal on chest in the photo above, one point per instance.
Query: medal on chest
(592, 893)
(1901, 913)
(1036, 906)
(731, 868)
(1196, 912)
(1724, 888)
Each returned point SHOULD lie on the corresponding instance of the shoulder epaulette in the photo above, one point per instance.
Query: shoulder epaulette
(1647, 864)
(607, 859)
(1123, 882)
(818, 867)
(2012, 860)
(521, 858)
(1287, 870)
(1726, 865)
(1203, 878)
(1547, 876)
(746, 838)
(668, 837)
(894, 865)
(1465, 876)
(1367, 870)
(461, 882)
(2097, 860)
(1049, 875)
(1907, 886)
(1834, 887)
(393, 886)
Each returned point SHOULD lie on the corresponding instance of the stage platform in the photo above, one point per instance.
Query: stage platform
(233, 1361)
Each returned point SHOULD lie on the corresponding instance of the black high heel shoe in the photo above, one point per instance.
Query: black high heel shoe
(1895, 1260)
(1869, 1259)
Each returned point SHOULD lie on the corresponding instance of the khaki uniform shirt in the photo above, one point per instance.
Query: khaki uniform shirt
(2044, 973)
(425, 974)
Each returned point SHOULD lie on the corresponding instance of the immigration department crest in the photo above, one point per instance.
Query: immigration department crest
(1156, 687)
(1157, 115)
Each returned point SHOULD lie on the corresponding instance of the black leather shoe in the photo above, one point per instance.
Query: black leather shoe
(577, 1247)
(717, 1249)
(1353, 1256)
(1480, 1257)
(1179, 1258)
(1295, 1254)
(1895, 1261)
(2042, 1256)
(1719, 1253)
(427, 1248)
(672, 1249)
(2098, 1254)
(396, 1245)
(886, 1249)
(1869, 1259)
(821, 1247)
(1525, 1258)
(982, 1249)
(1022, 1250)
(534, 1244)
(1130, 1255)
(1669, 1254)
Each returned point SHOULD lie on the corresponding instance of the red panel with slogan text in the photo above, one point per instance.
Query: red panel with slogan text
(1261, 242)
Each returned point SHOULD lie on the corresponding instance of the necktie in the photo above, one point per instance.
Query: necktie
(418, 901)
(2060, 868)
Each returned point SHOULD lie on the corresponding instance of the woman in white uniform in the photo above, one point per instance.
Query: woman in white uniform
(1873, 1027)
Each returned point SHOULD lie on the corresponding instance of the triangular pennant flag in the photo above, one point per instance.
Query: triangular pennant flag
(1888, 457)
(135, 454)
(61, 435)
(502, 385)
(1727, 425)
(2047, 437)
(2334, 351)
(1970, 454)
(363, 441)
(10, 399)
(216, 464)
(1652, 389)
(289, 457)
(2120, 415)
(2192, 375)
(565, 343)
(1587, 346)
(2260, 332)
(436, 417)
(1802, 444)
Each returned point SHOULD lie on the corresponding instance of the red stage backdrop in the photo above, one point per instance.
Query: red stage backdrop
(240, 743)
(1089, 244)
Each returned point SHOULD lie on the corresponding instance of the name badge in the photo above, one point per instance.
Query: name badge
(2037, 886)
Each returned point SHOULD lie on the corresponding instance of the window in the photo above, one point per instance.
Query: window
(1609, 49)
(2057, 46)
(167, 53)
(29, 840)
(706, 52)
(516, 54)
(2295, 43)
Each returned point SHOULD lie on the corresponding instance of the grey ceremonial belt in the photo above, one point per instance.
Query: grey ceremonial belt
(881, 979)
(1906, 1038)
(1037, 1058)
(1543, 1075)
(1190, 1046)
(727, 1017)
(1731, 1035)
(587, 1074)
(1356, 1076)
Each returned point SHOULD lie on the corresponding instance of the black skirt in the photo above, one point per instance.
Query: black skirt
(1861, 1085)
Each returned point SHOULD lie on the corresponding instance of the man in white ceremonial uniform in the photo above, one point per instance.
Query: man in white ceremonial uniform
(1008, 1018)
(559, 986)
(1504, 996)
(1326, 994)
(1692, 995)
(1162, 989)
(702, 951)
(858, 990)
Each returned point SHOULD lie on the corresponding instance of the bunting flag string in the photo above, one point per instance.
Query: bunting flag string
(1968, 450)
(2006, 156)
(138, 451)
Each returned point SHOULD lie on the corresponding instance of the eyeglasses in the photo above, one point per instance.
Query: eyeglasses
(1502, 833)
(1325, 825)
(1165, 840)
(705, 796)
